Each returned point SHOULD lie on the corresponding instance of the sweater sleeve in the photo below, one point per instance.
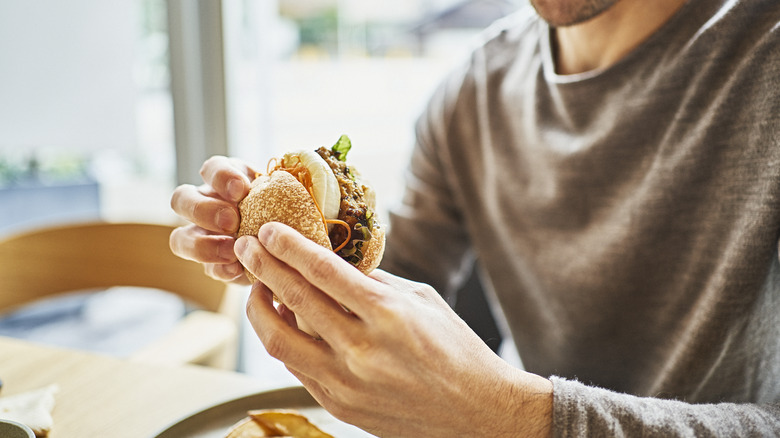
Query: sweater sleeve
(585, 411)
(427, 240)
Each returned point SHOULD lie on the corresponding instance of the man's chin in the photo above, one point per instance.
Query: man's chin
(562, 13)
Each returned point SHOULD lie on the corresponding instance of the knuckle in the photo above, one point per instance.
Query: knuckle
(425, 290)
(202, 249)
(183, 242)
(320, 266)
(178, 195)
(210, 163)
(358, 356)
(203, 212)
(188, 243)
(216, 172)
(378, 300)
(294, 297)
(225, 271)
(197, 209)
(218, 272)
(253, 263)
(211, 270)
(274, 343)
(344, 402)
(382, 305)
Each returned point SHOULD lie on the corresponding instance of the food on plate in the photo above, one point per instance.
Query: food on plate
(248, 428)
(317, 193)
(275, 423)
(32, 408)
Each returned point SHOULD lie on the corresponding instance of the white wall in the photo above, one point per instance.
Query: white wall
(66, 74)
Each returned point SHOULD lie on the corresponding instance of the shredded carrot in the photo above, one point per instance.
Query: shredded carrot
(345, 225)
(268, 168)
(301, 173)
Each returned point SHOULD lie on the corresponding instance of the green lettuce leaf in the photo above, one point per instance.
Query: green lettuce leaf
(342, 147)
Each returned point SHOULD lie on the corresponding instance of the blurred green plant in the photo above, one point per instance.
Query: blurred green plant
(47, 170)
(320, 30)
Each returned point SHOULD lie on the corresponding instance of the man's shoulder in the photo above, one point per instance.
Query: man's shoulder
(509, 41)
(739, 44)
(496, 48)
(519, 28)
(743, 23)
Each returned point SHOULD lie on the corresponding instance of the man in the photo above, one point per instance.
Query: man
(614, 170)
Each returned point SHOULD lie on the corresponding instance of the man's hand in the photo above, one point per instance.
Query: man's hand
(213, 210)
(398, 362)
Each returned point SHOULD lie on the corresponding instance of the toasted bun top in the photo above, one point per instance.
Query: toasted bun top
(280, 197)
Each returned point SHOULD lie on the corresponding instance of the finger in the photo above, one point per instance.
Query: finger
(401, 285)
(286, 343)
(322, 268)
(287, 315)
(322, 396)
(389, 279)
(308, 383)
(232, 272)
(194, 243)
(215, 251)
(324, 315)
(229, 177)
(317, 390)
(346, 408)
(209, 212)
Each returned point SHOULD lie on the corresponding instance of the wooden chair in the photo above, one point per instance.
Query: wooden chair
(96, 256)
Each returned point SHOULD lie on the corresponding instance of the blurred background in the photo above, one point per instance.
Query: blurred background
(106, 106)
(118, 101)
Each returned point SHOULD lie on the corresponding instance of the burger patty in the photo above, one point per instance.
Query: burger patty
(353, 209)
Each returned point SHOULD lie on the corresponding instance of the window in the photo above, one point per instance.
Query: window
(124, 100)
(303, 72)
(85, 100)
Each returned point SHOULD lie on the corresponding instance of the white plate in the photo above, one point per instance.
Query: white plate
(214, 422)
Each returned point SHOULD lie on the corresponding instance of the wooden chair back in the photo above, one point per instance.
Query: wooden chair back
(50, 261)
(95, 256)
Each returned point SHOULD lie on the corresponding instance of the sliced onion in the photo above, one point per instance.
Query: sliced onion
(324, 184)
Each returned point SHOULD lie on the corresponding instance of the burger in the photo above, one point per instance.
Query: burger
(320, 195)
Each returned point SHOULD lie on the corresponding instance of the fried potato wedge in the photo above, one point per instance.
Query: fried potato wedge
(249, 428)
(289, 423)
(280, 423)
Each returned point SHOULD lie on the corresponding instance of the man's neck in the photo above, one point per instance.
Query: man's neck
(603, 40)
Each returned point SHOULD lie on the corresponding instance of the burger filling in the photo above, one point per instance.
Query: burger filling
(353, 210)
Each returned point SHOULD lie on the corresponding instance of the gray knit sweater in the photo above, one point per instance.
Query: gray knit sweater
(626, 220)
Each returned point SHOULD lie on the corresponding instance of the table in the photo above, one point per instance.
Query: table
(106, 396)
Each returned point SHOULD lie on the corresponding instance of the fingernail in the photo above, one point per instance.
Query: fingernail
(266, 234)
(235, 189)
(241, 245)
(234, 269)
(226, 252)
(227, 220)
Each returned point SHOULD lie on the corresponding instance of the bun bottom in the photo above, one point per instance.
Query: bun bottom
(373, 251)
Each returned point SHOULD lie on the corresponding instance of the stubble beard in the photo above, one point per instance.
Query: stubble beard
(561, 13)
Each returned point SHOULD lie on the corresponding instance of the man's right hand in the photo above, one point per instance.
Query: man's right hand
(212, 209)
